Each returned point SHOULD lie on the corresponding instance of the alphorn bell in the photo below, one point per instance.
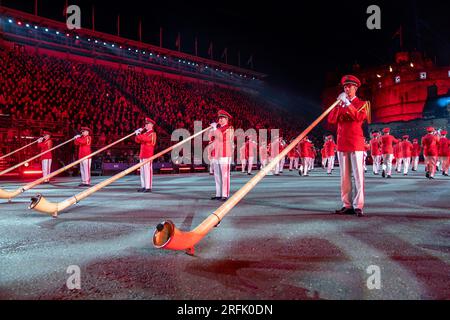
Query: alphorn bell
(24, 147)
(168, 236)
(41, 204)
(35, 157)
(9, 195)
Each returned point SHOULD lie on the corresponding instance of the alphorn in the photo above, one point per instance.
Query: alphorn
(24, 147)
(35, 157)
(168, 236)
(4, 194)
(39, 203)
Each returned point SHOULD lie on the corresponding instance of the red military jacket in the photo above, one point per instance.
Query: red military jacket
(147, 140)
(323, 152)
(305, 149)
(406, 147)
(44, 146)
(85, 143)
(398, 152)
(375, 147)
(415, 149)
(444, 147)
(430, 144)
(330, 148)
(350, 136)
(224, 137)
(387, 142)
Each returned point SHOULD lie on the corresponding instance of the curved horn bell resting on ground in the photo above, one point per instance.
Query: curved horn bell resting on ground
(41, 204)
(35, 157)
(24, 147)
(167, 236)
(4, 194)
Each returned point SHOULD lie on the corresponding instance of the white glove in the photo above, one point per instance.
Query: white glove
(138, 131)
(40, 140)
(214, 125)
(77, 136)
(343, 97)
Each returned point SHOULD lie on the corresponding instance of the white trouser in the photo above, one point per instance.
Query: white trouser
(445, 164)
(147, 175)
(324, 162)
(364, 161)
(330, 164)
(311, 164)
(85, 170)
(244, 163)
(281, 164)
(263, 163)
(399, 164)
(250, 164)
(352, 162)
(211, 167)
(406, 163)
(415, 161)
(222, 168)
(293, 163)
(307, 163)
(431, 164)
(376, 163)
(46, 167)
(387, 163)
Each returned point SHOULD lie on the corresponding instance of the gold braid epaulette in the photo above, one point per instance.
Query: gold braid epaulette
(366, 107)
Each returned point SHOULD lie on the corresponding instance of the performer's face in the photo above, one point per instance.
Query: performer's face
(46, 137)
(350, 90)
(149, 126)
(85, 133)
(223, 121)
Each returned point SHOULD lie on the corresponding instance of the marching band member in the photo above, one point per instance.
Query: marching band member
(224, 134)
(375, 151)
(349, 116)
(323, 153)
(444, 152)
(331, 153)
(406, 147)
(243, 155)
(251, 147)
(44, 144)
(282, 145)
(306, 155)
(398, 156)
(147, 140)
(263, 154)
(430, 143)
(293, 156)
(84, 141)
(415, 154)
(387, 150)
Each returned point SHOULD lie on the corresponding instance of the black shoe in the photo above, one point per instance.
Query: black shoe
(291, 170)
(147, 190)
(141, 190)
(345, 210)
(389, 176)
(223, 199)
(431, 178)
(383, 174)
(216, 198)
(81, 185)
(277, 174)
(249, 173)
(359, 213)
(405, 174)
(446, 174)
(300, 173)
(427, 175)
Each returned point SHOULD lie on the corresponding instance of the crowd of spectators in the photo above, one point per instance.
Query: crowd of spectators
(113, 102)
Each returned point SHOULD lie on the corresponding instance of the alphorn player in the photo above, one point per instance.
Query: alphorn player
(147, 139)
(223, 133)
(84, 141)
(349, 116)
(45, 143)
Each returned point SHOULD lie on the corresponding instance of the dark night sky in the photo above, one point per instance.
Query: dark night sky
(295, 43)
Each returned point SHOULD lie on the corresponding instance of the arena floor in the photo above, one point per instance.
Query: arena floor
(280, 242)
